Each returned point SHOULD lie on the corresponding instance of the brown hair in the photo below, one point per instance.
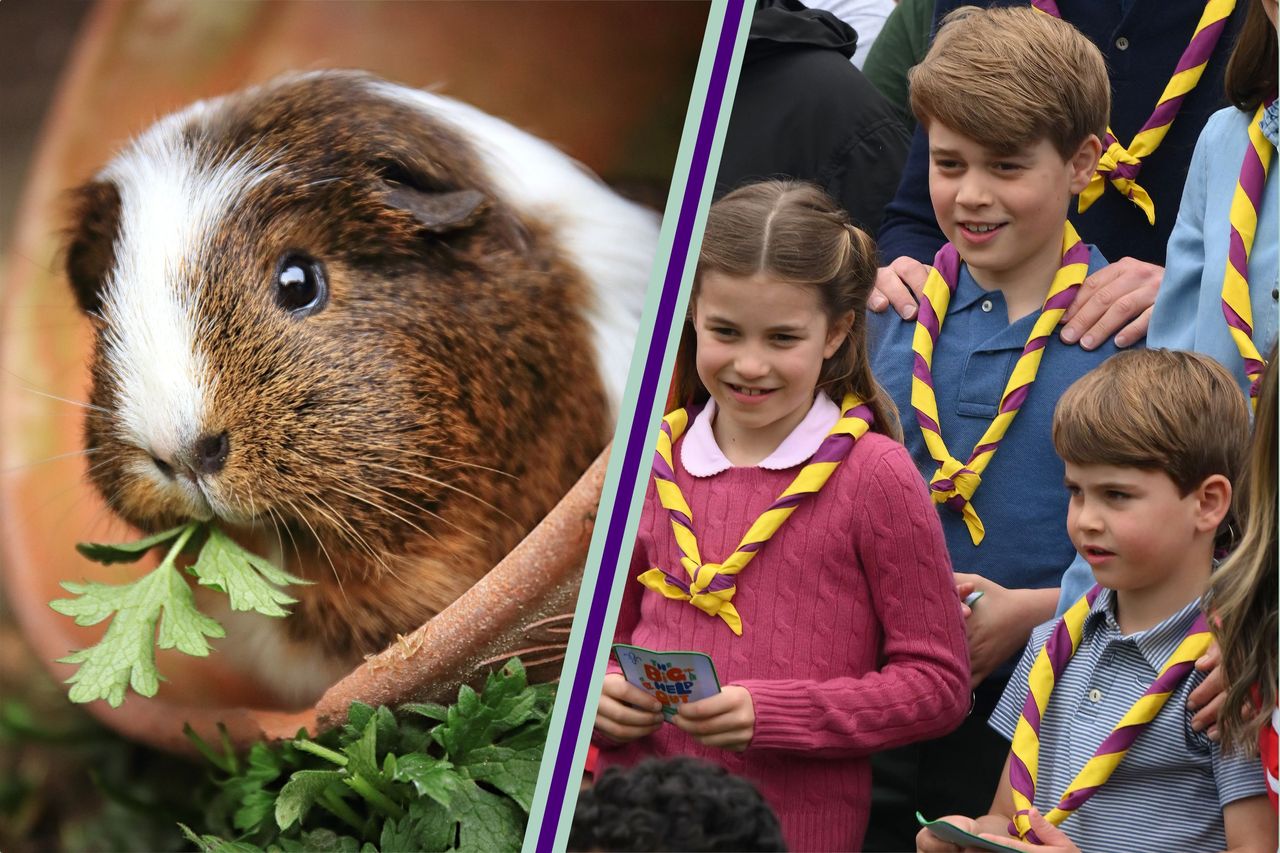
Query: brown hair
(1242, 593)
(793, 232)
(1251, 75)
(1008, 78)
(1176, 412)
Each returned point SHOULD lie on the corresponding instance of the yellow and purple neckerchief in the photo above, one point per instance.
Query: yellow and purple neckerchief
(955, 482)
(1236, 302)
(710, 586)
(1049, 664)
(1120, 165)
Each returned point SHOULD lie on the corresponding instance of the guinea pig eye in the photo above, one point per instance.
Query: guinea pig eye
(300, 286)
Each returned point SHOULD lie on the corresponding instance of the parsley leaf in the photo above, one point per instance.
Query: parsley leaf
(425, 777)
(162, 599)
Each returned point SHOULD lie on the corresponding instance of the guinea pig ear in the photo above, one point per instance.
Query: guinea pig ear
(438, 211)
(91, 241)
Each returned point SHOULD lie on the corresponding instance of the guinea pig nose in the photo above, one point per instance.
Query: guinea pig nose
(211, 453)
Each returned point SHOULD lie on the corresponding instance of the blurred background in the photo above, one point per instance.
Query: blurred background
(608, 82)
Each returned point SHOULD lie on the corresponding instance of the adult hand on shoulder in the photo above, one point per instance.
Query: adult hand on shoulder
(1052, 839)
(899, 285)
(1206, 700)
(999, 624)
(626, 712)
(726, 720)
(1116, 300)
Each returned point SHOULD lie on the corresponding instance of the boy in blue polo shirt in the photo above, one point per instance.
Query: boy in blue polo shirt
(1014, 104)
(1102, 743)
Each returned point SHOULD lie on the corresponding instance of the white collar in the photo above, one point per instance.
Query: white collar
(701, 456)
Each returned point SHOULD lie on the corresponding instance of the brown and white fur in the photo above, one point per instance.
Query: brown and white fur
(394, 440)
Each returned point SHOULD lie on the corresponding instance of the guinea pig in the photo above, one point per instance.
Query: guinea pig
(374, 330)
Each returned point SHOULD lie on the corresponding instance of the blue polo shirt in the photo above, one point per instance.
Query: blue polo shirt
(1169, 790)
(1021, 501)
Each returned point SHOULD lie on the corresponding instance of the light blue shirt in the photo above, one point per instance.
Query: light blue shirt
(1188, 311)
(1169, 790)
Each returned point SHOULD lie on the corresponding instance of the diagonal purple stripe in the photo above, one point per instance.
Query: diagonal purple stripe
(983, 448)
(947, 263)
(1237, 254)
(1201, 47)
(661, 469)
(1077, 798)
(1014, 399)
(1164, 113)
(926, 422)
(631, 452)
(1235, 320)
(834, 448)
(676, 581)
(1077, 253)
(720, 583)
(1020, 778)
(678, 516)
(1059, 649)
(928, 318)
(1062, 300)
(1253, 176)
(1127, 171)
(1031, 711)
(920, 370)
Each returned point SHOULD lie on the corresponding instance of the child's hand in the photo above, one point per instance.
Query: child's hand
(1052, 839)
(927, 842)
(616, 718)
(1000, 623)
(726, 720)
(1206, 700)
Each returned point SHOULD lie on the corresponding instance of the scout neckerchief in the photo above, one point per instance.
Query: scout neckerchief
(1048, 666)
(1236, 304)
(954, 482)
(710, 586)
(1120, 165)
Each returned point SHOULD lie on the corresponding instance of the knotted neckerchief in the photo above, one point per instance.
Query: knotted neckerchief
(1048, 666)
(1120, 165)
(710, 586)
(954, 482)
(1236, 303)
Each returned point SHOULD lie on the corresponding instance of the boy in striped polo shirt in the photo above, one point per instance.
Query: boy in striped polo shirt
(1103, 755)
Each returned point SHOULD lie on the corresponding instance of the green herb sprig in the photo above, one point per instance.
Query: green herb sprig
(424, 778)
(125, 656)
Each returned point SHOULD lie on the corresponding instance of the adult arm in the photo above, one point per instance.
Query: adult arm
(1177, 308)
(921, 689)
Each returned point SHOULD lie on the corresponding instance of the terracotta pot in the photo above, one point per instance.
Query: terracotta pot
(629, 73)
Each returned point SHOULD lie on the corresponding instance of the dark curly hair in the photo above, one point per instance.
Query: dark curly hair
(673, 804)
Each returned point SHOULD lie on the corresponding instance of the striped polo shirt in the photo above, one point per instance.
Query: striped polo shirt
(1168, 792)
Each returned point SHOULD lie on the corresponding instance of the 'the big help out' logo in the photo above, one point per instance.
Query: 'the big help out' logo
(673, 678)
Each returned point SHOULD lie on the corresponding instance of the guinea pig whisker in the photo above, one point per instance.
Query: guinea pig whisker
(386, 509)
(25, 465)
(323, 549)
(67, 400)
(443, 484)
(415, 506)
(445, 459)
(354, 537)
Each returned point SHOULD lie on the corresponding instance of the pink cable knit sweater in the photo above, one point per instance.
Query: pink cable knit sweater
(852, 642)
